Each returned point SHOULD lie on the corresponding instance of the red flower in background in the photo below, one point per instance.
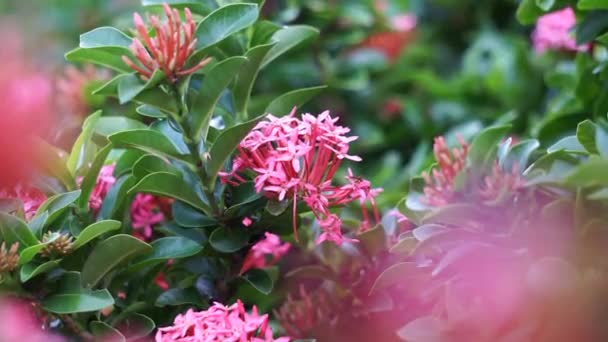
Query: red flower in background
(168, 50)
(391, 42)
(30, 197)
(265, 252)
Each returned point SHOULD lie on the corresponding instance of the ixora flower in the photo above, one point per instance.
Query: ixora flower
(553, 32)
(30, 197)
(72, 87)
(439, 189)
(270, 246)
(146, 211)
(104, 182)
(169, 50)
(296, 159)
(219, 323)
(391, 42)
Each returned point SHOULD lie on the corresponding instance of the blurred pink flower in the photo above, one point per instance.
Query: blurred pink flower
(104, 182)
(439, 189)
(552, 32)
(19, 323)
(299, 315)
(247, 222)
(30, 197)
(297, 159)
(72, 87)
(219, 323)
(265, 252)
(500, 182)
(146, 211)
(168, 50)
(391, 42)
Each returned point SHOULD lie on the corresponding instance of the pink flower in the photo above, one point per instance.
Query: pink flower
(146, 211)
(161, 282)
(30, 197)
(500, 182)
(258, 255)
(552, 32)
(219, 323)
(247, 222)
(168, 50)
(104, 182)
(296, 159)
(301, 314)
(19, 323)
(391, 42)
(439, 189)
(72, 87)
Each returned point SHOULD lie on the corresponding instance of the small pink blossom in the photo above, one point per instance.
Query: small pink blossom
(553, 32)
(30, 197)
(104, 182)
(439, 189)
(168, 50)
(219, 323)
(247, 222)
(146, 211)
(296, 159)
(270, 246)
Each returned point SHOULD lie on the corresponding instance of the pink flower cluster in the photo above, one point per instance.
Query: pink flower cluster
(439, 189)
(31, 198)
(270, 246)
(168, 50)
(297, 159)
(146, 211)
(19, 323)
(104, 182)
(219, 323)
(552, 32)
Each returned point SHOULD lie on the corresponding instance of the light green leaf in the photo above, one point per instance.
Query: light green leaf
(590, 173)
(100, 56)
(29, 271)
(287, 38)
(482, 152)
(95, 230)
(14, 230)
(109, 125)
(81, 150)
(592, 4)
(56, 205)
(89, 180)
(131, 86)
(224, 22)
(247, 76)
(110, 253)
(106, 36)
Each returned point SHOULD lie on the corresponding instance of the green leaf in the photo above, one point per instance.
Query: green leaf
(14, 230)
(89, 180)
(527, 12)
(287, 38)
(224, 146)
(136, 326)
(29, 271)
(105, 332)
(589, 174)
(104, 37)
(228, 240)
(115, 198)
(585, 133)
(247, 76)
(174, 297)
(108, 125)
(592, 4)
(56, 205)
(545, 5)
(29, 253)
(482, 152)
(100, 56)
(52, 161)
(147, 140)
(285, 103)
(188, 216)
(224, 22)
(150, 111)
(173, 247)
(148, 164)
(373, 240)
(95, 230)
(131, 86)
(196, 6)
(214, 83)
(519, 155)
(81, 150)
(568, 144)
(259, 279)
(37, 223)
(171, 185)
(593, 25)
(70, 303)
(110, 253)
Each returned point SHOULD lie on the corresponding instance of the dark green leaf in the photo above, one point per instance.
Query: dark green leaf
(149, 111)
(259, 279)
(247, 76)
(70, 303)
(175, 297)
(188, 216)
(174, 247)
(196, 6)
(594, 24)
(105, 332)
(150, 164)
(284, 104)
(228, 240)
(171, 185)
(110, 253)
(592, 4)
(135, 326)
(131, 86)
(89, 180)
(115, 198)
(147, 140)
(287, 38)
(29, 271)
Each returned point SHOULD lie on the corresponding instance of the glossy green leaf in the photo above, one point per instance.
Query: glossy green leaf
(592, 4)
(104, 46)
(14, 230)
(89, 180)
(287, 38)
(131, 86)
(147, 140)
(56, 205)
(519, 155)
(81, 153)
(173, 247)
(105, 37)
(590, 173)
(110, 253)
(224, 146)
(70, 303)
(585, 133)
(29, 253)
(150, 111)
(247, 76)
(171, 185)
(482, 151)
(188, 216)
(224, 22)
(136, 326)
(568, 144)
(148, 164)
(29, 271)
(108, 125)
(196, 6)
(259, 279)
(228, 240)
(284, 104)
(178, 296)
(95, 230)
(105, 332)
(216, 80)
(545, 5)
(116, 197)
(100, 56)
(527, 12)
(37, 223)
